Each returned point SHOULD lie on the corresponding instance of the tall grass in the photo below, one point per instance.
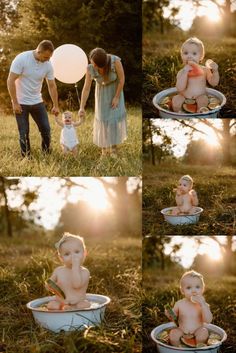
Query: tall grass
(161, 287)
(88, 161)
(115, 266)
(216, 189)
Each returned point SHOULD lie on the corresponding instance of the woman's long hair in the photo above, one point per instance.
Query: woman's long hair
(101, 59)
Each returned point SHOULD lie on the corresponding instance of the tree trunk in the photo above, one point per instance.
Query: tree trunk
(225, 143)
(228, 256)
(227, 17)
(6, 209)
(151, 143)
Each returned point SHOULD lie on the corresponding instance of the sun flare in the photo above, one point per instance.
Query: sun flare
(93, 193)
(97, 200)
(211, 11)
(212, 140)
(211, 249)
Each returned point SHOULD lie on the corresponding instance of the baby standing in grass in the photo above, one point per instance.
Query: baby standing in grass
(68, 140)
(192, 78)
(192, 311)
(110, 128)
(72, 278)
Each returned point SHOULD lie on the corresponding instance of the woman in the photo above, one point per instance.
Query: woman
(110, 128)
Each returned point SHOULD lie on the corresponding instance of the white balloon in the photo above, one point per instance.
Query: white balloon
(69, 63)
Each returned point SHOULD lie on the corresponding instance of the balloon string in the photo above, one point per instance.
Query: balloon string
(77, 93)
(69, 101)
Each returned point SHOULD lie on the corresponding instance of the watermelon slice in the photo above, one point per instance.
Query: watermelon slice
(171, 313)
(190, 108)
(196, 70)
(189, 341)
(53, 287)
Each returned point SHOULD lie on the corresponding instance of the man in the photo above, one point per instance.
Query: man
(27, 73)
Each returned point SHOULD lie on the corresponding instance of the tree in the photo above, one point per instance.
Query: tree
(16, 217)
(154, 251)
(5, 207)
(8, 14)
(111, 24)
(126, 205)
(202, 26)
(196, 153)
(225, 135)
(123, 217)
(227, 252)
(159, 150)
(226, 9)
(153, 16)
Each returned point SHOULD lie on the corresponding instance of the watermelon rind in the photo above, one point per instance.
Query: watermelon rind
(171, 313)
(190, 108)
(189, 342)
(55, 289)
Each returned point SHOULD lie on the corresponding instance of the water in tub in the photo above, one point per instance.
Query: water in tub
(93, 305)
(189, 342)
(190, 105)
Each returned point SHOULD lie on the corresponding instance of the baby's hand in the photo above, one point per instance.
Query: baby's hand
(210, 64)
(187, 68)
(167, 314)
(193, 193)
(198, 299)
(76, 260)
(178, 191)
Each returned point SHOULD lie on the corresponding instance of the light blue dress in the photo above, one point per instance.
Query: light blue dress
(110, 126)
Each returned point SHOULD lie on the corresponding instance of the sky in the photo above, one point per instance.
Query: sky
(187, 12)
(190, 249)
(181, 138)
(52, 198)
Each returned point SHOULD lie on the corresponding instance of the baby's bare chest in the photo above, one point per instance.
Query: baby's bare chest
(189, 311)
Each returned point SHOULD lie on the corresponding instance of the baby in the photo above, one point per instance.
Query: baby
(186, 198)
(72, 277)
(191, 80)
(192, 311)
(68, 139)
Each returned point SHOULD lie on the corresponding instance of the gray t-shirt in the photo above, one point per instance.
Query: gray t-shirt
(32, 73)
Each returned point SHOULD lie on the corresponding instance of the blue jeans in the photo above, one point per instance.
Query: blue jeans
(40, 116)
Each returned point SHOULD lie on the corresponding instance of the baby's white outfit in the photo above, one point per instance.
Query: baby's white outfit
(69, 137)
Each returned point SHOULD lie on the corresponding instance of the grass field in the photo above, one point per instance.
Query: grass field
(161, 288)
(162, 61)
(216, 189)
(115, 266)
(88, 162)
